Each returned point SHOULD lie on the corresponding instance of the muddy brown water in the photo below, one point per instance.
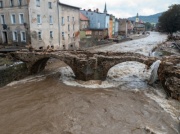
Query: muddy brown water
(48, 106)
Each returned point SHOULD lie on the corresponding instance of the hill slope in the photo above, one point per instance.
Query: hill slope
(150, 18)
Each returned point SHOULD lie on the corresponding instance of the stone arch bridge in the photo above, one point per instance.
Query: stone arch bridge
(86, 65)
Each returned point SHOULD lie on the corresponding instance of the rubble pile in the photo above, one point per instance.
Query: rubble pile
(170, 37)
(169, 75)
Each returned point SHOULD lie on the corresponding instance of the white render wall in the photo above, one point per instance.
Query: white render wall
(7, 11)
(70, 40)
(45, 27)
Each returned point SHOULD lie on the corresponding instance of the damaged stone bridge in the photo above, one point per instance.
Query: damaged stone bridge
(86, 65)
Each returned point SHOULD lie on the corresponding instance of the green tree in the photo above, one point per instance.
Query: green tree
(169, 21)
(148, 26)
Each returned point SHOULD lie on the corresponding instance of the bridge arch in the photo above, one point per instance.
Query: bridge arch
(128, 69)
(105, 64)
(40, 64)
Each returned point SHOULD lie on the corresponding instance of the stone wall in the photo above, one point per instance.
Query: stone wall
(169, 75)
(12, 73)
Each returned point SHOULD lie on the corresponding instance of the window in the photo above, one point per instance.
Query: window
(40, 35)
(98, 24)
(39, 19)
(15, 36)
(73, 19)
(13, 19)
(68, 27)
(20, 2)
(2, 19)
(38, 3)
(11, 3)
(21, 18)
(50, 5)
(68, 18)
(68, 35)
(1, 4)
(50, 19)
(23, 36)
(63, 38)
(62, 20)
(51, 34)
(73, 27)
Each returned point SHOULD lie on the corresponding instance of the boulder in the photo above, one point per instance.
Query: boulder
(169, 75)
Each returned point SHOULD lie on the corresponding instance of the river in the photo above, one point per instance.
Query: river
(53, 102)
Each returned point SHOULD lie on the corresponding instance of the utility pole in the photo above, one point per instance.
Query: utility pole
(126, 27)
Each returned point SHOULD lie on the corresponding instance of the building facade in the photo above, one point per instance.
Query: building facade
(97, 20)
(14, 18)
(111, 26)
(84, 22)
(44, 26)
(70, 26)
(39, 23)
(125, 25)
(139, 26)
(116, 27)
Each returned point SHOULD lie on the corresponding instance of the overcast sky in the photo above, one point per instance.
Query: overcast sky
(125, 8)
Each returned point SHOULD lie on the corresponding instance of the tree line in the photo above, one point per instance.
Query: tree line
(169, 21)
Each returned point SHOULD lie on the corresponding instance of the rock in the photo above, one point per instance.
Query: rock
(169, 75)
(173, 85)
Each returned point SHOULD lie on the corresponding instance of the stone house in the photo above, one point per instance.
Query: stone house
(139, 27)
(43, 20)
(122, 26)
(38, 23)
(69, 26)
(84, 22)
(14, 19)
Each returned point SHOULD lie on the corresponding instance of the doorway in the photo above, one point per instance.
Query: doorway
(4, 37)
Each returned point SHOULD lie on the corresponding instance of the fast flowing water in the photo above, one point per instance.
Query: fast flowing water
(52, 102)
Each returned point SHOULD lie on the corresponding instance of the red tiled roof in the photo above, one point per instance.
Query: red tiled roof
(83, 17)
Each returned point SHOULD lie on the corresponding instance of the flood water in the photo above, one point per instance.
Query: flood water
(53, 102)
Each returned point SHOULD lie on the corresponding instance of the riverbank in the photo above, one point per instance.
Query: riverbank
(132, 37)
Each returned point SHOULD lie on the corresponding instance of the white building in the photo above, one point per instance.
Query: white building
(14, 28)
(39, 23)
(70, 26)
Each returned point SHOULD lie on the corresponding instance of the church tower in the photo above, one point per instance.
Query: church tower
(137, 18)
(105, 9)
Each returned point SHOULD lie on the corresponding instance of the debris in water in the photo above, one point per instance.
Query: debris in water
(154, 67)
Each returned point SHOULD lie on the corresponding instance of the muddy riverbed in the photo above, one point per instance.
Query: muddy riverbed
(53, 102)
